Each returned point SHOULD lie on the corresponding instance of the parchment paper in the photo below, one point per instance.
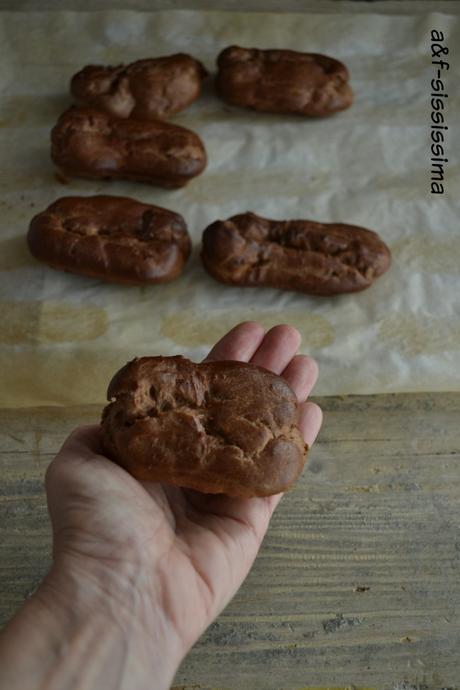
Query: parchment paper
(62, 336)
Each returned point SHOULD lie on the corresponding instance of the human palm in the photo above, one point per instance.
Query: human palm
(183, 552)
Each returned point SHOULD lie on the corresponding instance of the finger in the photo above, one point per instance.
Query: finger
(272, 502)
(238, 344)
(277, 348)
(81, 446)
(244, 515)
(301, 373)
(310, 421)
(84, 440)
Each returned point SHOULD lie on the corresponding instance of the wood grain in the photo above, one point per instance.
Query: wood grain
(357, 583)
(310, 6)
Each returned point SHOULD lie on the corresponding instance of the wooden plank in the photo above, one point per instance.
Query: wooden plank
(358, 581)
(311, 6)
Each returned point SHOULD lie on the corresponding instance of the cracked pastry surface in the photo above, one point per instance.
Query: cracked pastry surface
(113, 238)
(302, 255)
(146, 89)
(87, 142)
(216, 427)
(283, 81)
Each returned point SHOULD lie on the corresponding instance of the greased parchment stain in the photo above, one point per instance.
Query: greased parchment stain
(221, 187)
(29, 111)
(423, 254)
(192, 328)
(50, 322)
(50, 376)
(14, 254)
(412, 335)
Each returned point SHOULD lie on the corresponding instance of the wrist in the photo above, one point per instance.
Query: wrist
(124, 604)
(84, 628)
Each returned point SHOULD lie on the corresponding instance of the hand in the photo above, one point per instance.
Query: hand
(167, 557)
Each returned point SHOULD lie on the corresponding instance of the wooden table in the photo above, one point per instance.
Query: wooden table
(358, 581)
(311, 6)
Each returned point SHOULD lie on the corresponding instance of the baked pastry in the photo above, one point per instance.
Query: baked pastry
(90, 143)
(217, 427)
(145, 89)
(112, 238)
(318, 258)
(283, 81)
